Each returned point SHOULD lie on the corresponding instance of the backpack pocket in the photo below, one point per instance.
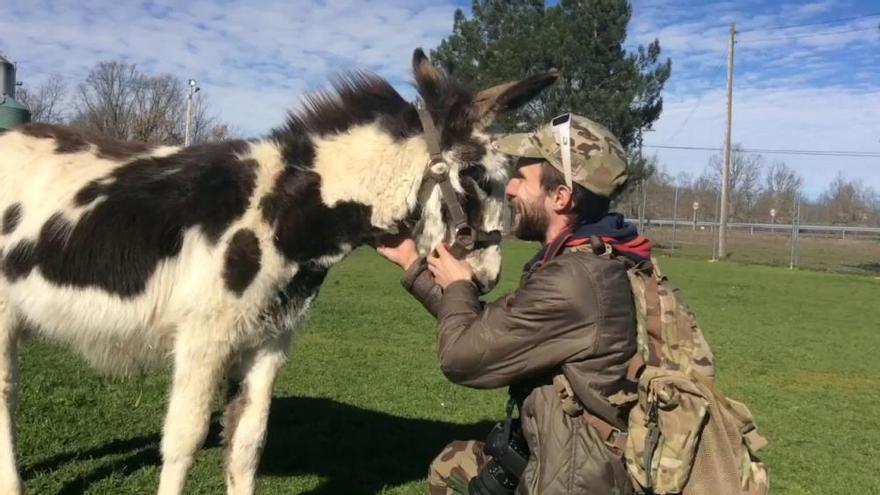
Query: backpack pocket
(754, 475)
(664, 430)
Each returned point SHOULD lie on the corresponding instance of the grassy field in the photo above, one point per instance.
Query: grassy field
(363, 408)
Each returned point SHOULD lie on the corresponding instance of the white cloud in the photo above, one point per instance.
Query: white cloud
(833, 118)
(255, 59)
(252, 59)
(813, 87)
(815, 7)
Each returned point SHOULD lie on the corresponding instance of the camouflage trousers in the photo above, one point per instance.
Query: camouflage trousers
(451, 471)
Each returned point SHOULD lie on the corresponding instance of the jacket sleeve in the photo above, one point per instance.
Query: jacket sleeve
(529, 332)
(419, 281)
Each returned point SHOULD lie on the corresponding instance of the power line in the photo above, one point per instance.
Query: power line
(821, 23)
(687, 118)
(840, 153)
(810, 35)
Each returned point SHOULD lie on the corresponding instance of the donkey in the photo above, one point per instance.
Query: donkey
(209, 256)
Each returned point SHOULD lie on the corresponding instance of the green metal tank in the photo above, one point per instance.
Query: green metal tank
(12, 113)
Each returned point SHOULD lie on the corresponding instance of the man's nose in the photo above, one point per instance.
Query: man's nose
(512, 188)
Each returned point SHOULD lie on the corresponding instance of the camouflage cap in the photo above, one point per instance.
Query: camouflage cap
(598, 162)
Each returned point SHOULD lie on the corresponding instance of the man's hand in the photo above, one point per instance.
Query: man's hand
(447, 268)
(399, 249)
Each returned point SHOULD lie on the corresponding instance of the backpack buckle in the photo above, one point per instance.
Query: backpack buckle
(617, 441)
(614, 438)
(600, 247)
(570, 404)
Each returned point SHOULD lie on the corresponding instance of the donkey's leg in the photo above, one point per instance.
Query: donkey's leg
(198, 365)
(246, 415)
(10, 483)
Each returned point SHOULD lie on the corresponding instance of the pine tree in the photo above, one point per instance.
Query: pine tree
(506, 39)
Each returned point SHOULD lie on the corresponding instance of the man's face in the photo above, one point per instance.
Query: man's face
(528, 198)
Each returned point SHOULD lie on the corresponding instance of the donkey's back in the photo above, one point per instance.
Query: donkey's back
(108, 246)
(133, 255)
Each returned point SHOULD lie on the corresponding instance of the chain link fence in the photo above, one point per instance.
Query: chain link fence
(836, 248)
(688, 231)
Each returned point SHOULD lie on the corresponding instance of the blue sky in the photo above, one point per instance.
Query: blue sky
(815, 87)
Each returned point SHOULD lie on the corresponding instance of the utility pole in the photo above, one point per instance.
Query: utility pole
(674, 215)
(795, 231)
(193, 89)
(715, 229)
(725, 174)
(643, 184)
(642, 187)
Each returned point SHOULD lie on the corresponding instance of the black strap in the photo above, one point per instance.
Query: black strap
(512, 460)
(465, 237)
(456, 212)
(432, 137)
(486, 239)
(651, 441)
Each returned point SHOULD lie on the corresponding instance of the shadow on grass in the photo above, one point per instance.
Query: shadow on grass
(867, 267)
(355, 450)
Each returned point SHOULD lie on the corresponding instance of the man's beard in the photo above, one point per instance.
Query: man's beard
(530, 221)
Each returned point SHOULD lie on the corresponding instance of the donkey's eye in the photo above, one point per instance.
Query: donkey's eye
(485, 184)
(478, 174)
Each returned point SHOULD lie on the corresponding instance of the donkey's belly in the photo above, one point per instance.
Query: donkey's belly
(116, 335)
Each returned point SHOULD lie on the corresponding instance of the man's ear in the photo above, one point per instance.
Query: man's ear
(562, 200)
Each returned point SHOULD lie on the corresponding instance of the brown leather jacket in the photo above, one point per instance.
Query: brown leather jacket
(574, 314)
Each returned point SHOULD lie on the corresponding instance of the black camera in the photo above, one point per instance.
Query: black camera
(510, 453)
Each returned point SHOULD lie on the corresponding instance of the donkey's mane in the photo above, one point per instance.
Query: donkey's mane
(356, 98)
(362, 97)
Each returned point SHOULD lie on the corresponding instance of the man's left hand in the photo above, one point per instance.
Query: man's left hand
(447, 268)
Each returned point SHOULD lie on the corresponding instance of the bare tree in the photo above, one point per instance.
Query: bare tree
(706, 190)
(845, 201)
(220, 131)
(46, 102)
(206, 127)
(745, 180)
(105, 100)
(157, 110)
(119, 101)
(781, 187)
(872, 200)
(640, 170)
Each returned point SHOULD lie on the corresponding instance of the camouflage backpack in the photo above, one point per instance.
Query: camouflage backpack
(684, 435)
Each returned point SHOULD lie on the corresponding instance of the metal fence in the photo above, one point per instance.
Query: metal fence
(837, 248)
(851, 249)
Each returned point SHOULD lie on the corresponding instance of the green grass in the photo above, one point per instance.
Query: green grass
(363, 408)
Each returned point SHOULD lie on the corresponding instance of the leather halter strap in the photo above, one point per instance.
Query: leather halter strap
(466, 238)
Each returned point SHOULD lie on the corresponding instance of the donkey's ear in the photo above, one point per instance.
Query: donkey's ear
(427, 76)
(496, 100)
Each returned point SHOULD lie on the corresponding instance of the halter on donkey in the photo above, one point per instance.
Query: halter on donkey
(465, 237)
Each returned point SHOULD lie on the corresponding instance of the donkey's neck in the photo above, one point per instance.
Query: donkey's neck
(367, 165)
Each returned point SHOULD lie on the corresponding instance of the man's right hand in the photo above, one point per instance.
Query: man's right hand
(399, 249)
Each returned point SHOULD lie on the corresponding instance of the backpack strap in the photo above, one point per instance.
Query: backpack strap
(653, 322)
(636, 366)
(646, 290)
(649, 279)
(749, 430)
(611, 436)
